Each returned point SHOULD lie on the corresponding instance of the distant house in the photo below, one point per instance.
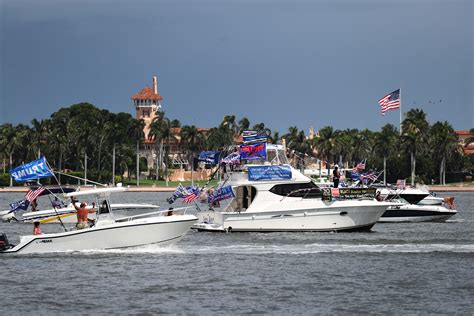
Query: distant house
(147, 103)
(463, 136)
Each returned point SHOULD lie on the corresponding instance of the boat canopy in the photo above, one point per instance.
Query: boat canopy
(97, 191)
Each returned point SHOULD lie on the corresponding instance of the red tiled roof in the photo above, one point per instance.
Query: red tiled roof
(467, 133)
(147, 93)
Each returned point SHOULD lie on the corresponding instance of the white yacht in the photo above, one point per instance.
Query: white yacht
(273, 196)
(108, 232)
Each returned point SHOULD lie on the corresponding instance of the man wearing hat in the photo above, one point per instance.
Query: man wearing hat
(82, 213)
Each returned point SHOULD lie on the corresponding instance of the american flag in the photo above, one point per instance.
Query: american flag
(191, 194)
(360, 166)
(369, 176)
(32, 195)
(390, 102)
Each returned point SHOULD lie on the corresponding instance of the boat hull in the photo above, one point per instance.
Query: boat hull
(161, 230)
(333, 217)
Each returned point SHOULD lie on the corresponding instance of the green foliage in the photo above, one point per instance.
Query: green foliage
(82, 130)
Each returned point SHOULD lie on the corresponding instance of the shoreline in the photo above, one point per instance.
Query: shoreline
(435, 188)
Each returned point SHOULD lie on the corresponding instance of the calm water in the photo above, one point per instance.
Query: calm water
(424, 268)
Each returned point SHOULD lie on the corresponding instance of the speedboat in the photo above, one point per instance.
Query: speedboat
(417, 213)
(273, 197)
(108, 232)
(17, 215)
(61, 211)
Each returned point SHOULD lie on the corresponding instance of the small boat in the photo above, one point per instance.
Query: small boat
(17, 216)
(67, 213)
(416, 213)
(108, 232)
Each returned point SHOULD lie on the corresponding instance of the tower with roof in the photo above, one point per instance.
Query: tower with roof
(147, 102)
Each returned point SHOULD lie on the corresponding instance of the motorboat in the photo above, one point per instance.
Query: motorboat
(67, 213)
(49, 192)
(417, 213)
(273, 196)
(108, 232)
(416, 205)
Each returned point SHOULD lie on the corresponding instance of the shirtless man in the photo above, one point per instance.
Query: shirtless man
(82, 212)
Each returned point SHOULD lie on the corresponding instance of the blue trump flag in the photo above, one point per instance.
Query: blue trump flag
(31, 171)
(210, 157)
(19, 205)
(261, 173)
(221, 194)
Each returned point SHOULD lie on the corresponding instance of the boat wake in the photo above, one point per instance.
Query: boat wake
(331, 248)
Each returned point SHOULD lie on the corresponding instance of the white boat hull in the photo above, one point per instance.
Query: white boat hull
(358, 216)
(161, 230)
(410, 213)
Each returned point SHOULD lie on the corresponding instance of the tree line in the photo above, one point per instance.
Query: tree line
(83, 133)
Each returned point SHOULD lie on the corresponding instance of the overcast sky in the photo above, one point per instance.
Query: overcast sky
(283, 62)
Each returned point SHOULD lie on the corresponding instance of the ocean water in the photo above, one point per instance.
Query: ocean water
(408, 268)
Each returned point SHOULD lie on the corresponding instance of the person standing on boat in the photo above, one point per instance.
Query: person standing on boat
(37, 229)
(336, 175)
(82, 213)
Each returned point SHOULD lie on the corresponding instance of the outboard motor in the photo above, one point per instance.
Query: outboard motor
(4, 244)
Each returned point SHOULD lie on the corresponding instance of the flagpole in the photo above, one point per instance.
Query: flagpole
(400, 111)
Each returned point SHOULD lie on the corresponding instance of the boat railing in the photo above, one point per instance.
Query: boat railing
(169, 212)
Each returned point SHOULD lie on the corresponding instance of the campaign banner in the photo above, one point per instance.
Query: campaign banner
(31, 171)
(253, 151)
(262, 173)
(356, 193)
(221, 194)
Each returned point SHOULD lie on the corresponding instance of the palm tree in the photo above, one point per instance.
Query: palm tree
(192, 141)
(39, 134)
(161, 132)
(325, 144)
(244, 124)
(135, 128)
(443, 142)
(414, 136)
(385, 144)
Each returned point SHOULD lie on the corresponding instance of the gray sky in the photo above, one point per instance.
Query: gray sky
(283, 62)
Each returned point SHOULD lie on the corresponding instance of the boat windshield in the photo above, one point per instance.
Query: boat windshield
(307, 190)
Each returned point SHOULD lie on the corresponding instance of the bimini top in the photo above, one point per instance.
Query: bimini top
(100, 191)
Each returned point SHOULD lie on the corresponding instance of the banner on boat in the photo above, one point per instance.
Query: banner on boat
(262, 173)
(221, 194)
(351, 193)
(253, 151)
(209, 157)
(31, 171)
